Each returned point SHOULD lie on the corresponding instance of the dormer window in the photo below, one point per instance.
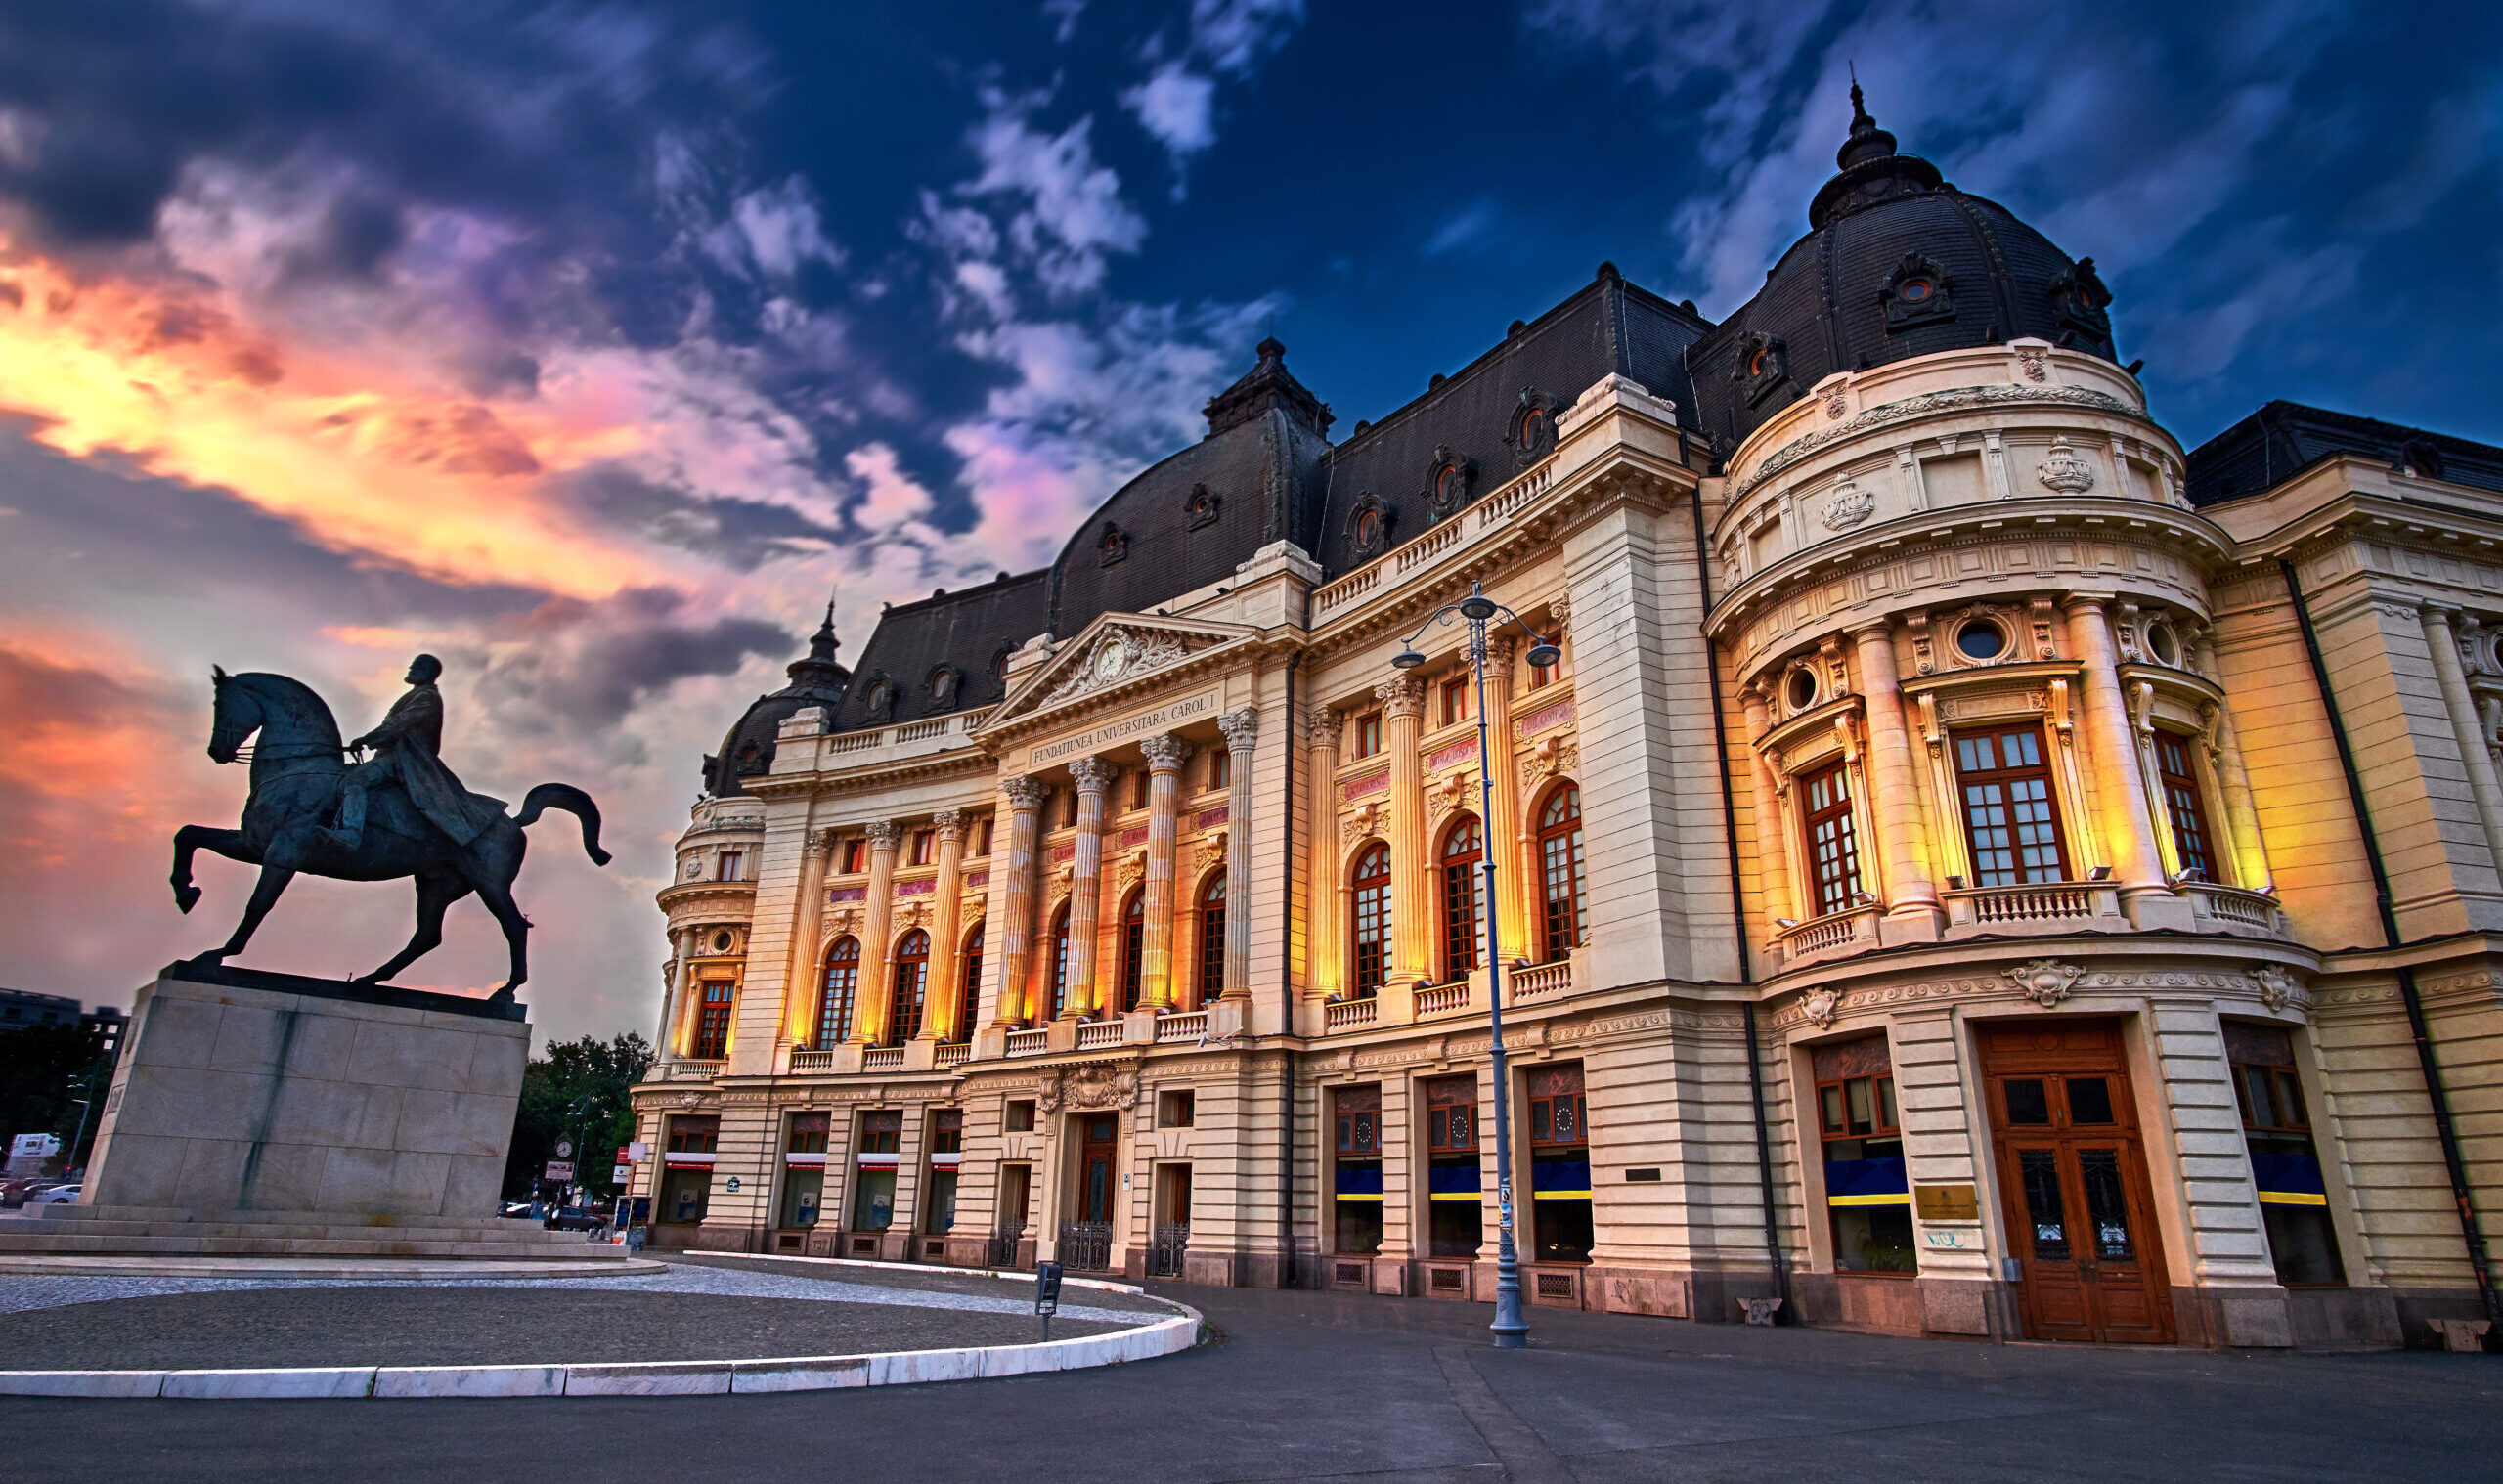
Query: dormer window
(1112, 545)
(1919, 294)
(1369, 523)
(1201, 509)
(1447, 483)
(1533, 433)
(1763, 366)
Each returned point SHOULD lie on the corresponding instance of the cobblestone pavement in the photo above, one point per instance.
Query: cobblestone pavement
(688, 1313)
(1352, 1388)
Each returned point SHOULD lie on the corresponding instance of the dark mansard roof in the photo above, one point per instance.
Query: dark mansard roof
(2285, 438)
(1896, 263)
(945, 653)
(1495, 417)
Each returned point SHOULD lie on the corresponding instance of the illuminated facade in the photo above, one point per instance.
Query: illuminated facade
(2013, 784)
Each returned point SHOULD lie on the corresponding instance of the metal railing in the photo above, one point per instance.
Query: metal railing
(1086, 1246)
(1166, 1251)
(1004, 1241)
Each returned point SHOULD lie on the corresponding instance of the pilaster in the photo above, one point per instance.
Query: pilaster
(1240, 728)
(1403, 708)
(1093, 775)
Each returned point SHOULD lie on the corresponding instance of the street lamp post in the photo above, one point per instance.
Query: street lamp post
(1511, 1325)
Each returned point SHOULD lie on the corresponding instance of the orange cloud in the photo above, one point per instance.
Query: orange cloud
(365, 458)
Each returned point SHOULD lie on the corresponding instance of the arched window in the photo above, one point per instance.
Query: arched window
(1464, 896)
(912, 987)
(842, 982)
(1567, 916)
(1372, 920)
(969, 984)
(1058, 1000)
(1133, 949)
(1212, 938)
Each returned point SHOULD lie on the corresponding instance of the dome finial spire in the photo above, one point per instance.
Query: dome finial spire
(1867, 142)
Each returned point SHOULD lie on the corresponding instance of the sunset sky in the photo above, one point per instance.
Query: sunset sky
(592, 346)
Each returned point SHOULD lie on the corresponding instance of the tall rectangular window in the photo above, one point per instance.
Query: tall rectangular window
(1138, 789)
(730, 866)
(874, 1203)
(1868, 1195)
(2011, 821)
(1833, 854)
(1356, 1177)
(921, 845)
(1559, 1164)
(1369, 735)
(855, 857)
(1220, 768)
(2181, 806)
(947, 1152)
(2293, 1201)
(1456, 701)
(713, 1022)
(1455, 1216)
(981, 837)
(804, 1168)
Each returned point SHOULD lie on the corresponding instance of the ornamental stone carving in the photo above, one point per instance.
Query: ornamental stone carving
(1369, 820)
(2063, 471)
(1024, 792)
(1553, 754)
(1092, 775)
(1819, 1005)
(1836, 404)
(1118, 655)
(1166, 753)
(1087, 1088)
(2044, 980)
(2034, 364)
(1323, 726)
(1239, 728)
(2276, 984)
(950, 823)
(882, 834)
(1402, 696)
(1849, 506)
(1953, 399)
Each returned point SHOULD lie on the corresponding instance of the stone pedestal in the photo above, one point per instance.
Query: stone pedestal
(241, 1091)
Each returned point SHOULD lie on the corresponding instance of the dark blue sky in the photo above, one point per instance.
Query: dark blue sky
(590, 344)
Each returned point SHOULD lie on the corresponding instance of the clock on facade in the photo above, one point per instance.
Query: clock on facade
(1111, 658)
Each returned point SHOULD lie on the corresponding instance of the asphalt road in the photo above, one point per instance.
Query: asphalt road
(1327, 1386)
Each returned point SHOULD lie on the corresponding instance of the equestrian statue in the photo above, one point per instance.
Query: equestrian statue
(399, 812)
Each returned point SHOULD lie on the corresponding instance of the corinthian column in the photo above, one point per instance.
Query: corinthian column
(938, 1011)
(2482, 783)
(1903, 857)
(1165, 758)
(1015, 949)
(800, 983)
(1324, 944)
(1411, 919)
(1773, 846)
(1086, 882)
(2119, 786)
(682, 940)
(1508, 839)
(872, 1021)
(1241, 728)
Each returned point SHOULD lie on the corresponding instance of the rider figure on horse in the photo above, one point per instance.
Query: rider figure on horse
(406, 749)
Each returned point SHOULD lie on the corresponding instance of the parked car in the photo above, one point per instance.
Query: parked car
(58, 1195)
(15, 1192)
(518, 1211)
(574, 1218)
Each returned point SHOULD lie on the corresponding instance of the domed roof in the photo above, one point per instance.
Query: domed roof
(1898, 263)
(747, 752)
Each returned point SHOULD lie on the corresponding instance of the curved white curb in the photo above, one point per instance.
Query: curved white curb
(821, 1372)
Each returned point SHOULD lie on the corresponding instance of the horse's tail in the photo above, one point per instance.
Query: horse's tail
(574, 802)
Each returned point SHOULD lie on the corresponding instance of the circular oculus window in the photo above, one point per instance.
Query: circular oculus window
(1915, 290)
(722, 942)
(2164, 644)
(1981, 639)
(1800, 690)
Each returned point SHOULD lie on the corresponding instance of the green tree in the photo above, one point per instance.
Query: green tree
(577, 1091)
(44, 1069)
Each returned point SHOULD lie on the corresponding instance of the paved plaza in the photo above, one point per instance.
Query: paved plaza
(1332, 1386)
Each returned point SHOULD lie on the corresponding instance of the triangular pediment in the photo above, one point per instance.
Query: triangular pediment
(1117, 654)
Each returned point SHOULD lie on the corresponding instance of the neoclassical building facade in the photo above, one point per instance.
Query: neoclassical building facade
(1976, 870)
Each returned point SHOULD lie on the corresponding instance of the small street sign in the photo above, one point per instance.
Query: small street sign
(638, 1152)
(561, 1169)
(620, 1174)
(1047, 1294)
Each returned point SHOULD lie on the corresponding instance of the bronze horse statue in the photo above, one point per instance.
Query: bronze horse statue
(298, 764)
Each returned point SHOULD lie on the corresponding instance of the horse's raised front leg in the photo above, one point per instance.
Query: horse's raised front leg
(435, 896)
(192, 838)
(277, 869)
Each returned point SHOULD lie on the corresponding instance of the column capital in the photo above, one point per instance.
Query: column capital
(950, 823)
(1092, 775)
(1241, 728)
(2082, 602)
(1321, 726)
(1025, 794)
(1499, 649)
(1402, 696)
(1882, 626)
(882, 834)
(1166, 753)
(822, 842)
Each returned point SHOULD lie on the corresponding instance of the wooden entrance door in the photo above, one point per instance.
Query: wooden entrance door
(1097, 1172)
(2073, 1183)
